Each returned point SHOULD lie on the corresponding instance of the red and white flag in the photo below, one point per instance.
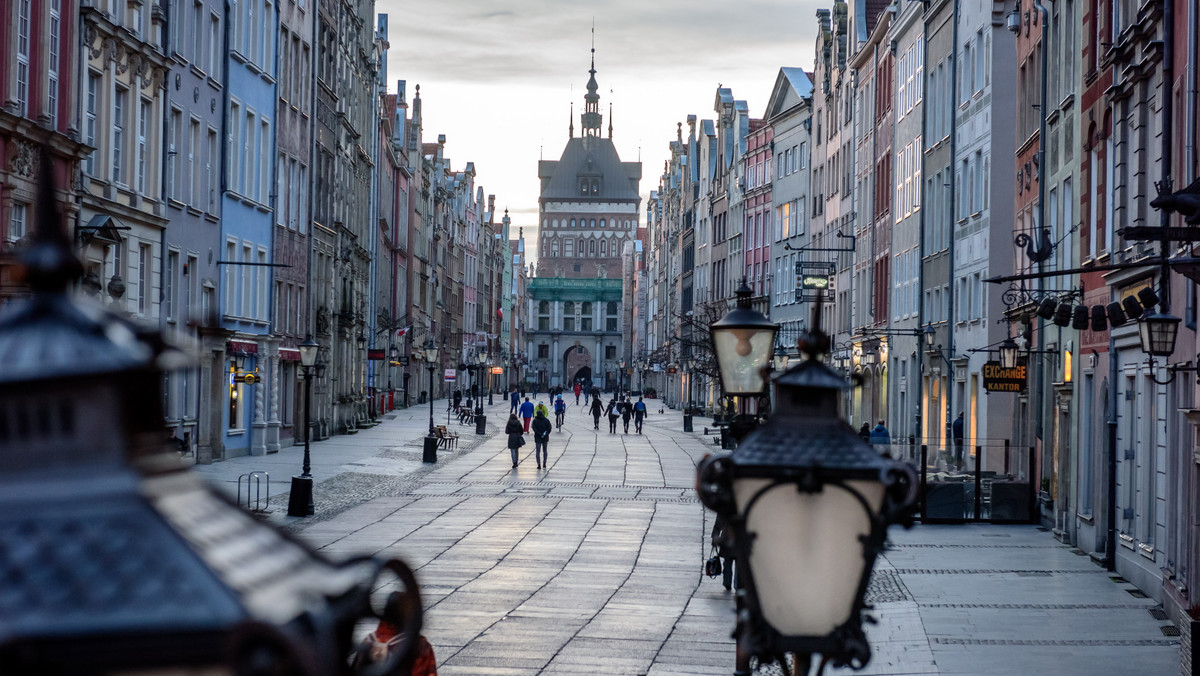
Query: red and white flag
(500, 313)
(400, 332)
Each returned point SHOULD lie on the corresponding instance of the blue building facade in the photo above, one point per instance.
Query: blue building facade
(248, 216)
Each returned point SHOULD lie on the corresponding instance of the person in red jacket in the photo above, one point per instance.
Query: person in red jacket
(578, 390)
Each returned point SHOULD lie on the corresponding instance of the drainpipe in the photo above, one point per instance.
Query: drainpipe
(949, 394)
(1039, 428)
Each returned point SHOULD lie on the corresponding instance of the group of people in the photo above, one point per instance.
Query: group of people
(525, 417)
(619, 408)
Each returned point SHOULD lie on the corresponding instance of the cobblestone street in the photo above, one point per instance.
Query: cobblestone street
(594, 565)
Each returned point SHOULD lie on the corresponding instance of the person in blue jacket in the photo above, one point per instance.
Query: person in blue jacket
(880, 436)
(527, 413)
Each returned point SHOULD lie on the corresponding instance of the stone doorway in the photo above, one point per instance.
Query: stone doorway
(577, 363)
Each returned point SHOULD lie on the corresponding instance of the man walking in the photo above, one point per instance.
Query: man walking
(597, 411)
(527, 412)
(516, 401)
(626, 413)
(879, 435)
(639, 414)
(541, 436)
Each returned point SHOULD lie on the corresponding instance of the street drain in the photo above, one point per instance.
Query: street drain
(1169, 630)
(1116, 578)
(1033, 573)
(1157, 613)
(1136, 593)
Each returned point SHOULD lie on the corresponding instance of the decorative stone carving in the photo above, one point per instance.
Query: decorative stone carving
(322, 321)
(24, 160)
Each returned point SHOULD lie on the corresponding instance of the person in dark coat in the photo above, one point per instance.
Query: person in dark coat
(541, 436)
(865, 432)
(597, 411)
(613, 412)
(956, 431)
(626, 413)
(515, 400)
(516, 438)
(639, 414)
(724, 547)
(879, 436)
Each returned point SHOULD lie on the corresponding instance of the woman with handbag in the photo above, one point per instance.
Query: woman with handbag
(724, 548)
(516, 438)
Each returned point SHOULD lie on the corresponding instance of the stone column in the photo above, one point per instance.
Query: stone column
(258, 433)
(273, 377)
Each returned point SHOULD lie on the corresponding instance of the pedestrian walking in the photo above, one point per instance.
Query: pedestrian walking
(457, 399)
(626, 413)
(578, 390)
(527, 412)
(516, 438)
(613, 412)
(865, 432)
(542, 409)
(541, 436)
(515, 400)
(597, 411)
(378, 645)
(721, 542)
(560, 411)
(879, 436)
(639, 414)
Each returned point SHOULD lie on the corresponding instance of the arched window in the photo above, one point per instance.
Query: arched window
(569, 247)
(593, 222)
(602, 223)
(553, 247)
(603, 247)
(612, 307)
(587, 308)
(592, 247)
(544, 307)
(572, 222)
(554, 223)
(569, 308)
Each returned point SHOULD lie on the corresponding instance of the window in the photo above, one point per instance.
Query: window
(142, 129)
(89, 119)
(214, 38)
(543, 351)
(262, 275)
(197, 29)
(174, 147)
(143, 295)
(52, 75)
(169, 285)
(120, 101)
(210, 160)
(17, 222)
(234, 141)
(610, 351)
(24, 9)
(230, 278)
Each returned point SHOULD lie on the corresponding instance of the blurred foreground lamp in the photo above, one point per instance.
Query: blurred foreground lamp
(1008, 353)
(743, 340)
(808, 504)
(1158, 332)
(111, 546)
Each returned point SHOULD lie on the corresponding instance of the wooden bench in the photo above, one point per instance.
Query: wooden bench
(445, 437)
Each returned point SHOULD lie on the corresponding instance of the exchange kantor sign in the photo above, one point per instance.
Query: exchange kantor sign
(997, 378)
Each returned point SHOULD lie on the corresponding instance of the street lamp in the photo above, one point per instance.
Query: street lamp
(808, 505)
(300, 501)
(743, 340)
(1158, 332)
(1008, 353)
(431, 357)
(621, 376)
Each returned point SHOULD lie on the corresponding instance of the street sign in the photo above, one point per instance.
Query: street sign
(497, 370)
(375, 355)
(451, 374)
(812, 279)
(999, 379)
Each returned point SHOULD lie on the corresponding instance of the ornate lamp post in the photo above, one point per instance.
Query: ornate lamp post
(1008, 353)
(143, 581)
(1157, 333)
(429, 452)
(300, 501)
(744, 341)
(808, 504)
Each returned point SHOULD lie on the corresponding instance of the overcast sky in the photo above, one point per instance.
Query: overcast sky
(498, 77)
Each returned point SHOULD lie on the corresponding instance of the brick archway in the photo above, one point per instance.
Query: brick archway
(577, 363)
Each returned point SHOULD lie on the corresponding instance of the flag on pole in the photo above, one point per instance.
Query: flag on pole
(400, 332)
(500, 313)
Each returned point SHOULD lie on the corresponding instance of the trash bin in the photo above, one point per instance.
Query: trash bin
(480, 423)
(430, 454)
(687, 422)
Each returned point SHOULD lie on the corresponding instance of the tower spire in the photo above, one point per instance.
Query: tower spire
(591, 120)
(610, 119)
(571, 129)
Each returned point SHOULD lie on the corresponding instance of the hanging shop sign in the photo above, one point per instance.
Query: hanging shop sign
(996, 378)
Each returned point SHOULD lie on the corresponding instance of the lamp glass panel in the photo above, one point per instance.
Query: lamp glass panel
(803, 537)
(308, 354)
(807, 557)
(741, 354)
(1008, 355)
